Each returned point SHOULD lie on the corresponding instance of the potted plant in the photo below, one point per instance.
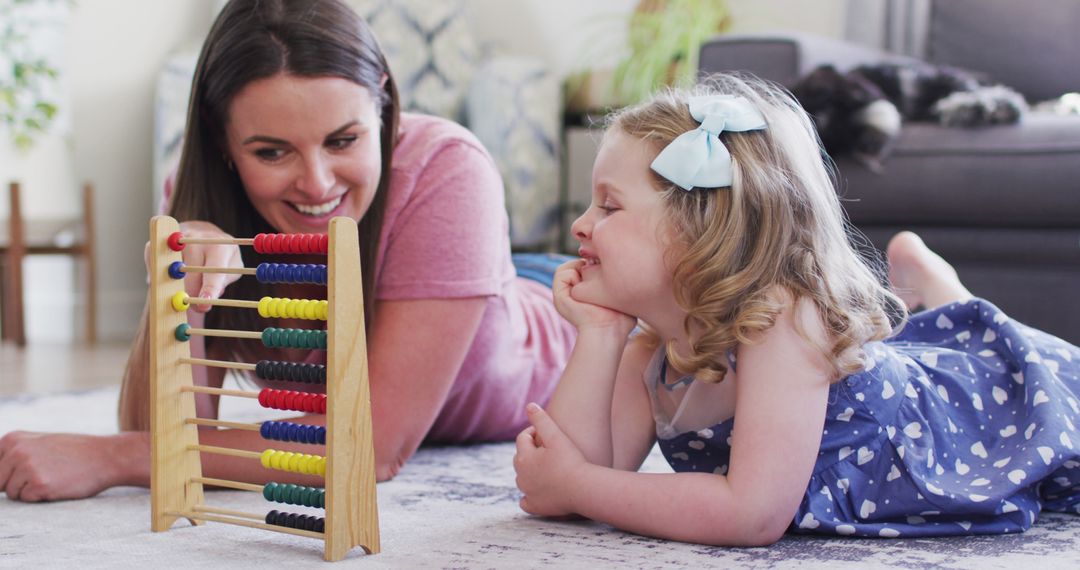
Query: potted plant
(663, 40)
(28, 81)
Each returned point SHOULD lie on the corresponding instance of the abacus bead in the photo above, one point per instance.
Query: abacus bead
(266, 430)
(180, 301)
(268, 490)
(182, 332)
(266, 307)
(176, 270)
(174, 241)
(266, 458)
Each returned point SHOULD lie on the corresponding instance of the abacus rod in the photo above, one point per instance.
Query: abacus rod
(223, 302)
(219, 392)
(219, 364)
(227, 512)
(251, 524)
(228, 483)
(208, 269)
(226, 451)
(220, 423)
(218, 241)
(225, 333)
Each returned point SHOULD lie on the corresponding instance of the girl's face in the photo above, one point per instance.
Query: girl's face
(306, 149)
(624, 233)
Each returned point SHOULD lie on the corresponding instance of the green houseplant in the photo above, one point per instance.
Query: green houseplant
(664, 38)
(28, 82)
(662, 42)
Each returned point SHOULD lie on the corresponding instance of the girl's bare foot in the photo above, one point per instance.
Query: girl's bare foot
(921, 277)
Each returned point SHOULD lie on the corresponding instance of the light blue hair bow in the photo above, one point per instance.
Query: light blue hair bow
(697, 158)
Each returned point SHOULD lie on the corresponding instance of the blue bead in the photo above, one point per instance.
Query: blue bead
(176, 270)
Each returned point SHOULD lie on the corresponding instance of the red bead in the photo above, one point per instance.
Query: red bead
(264, 398)
(324, 243)
(174, 241)
(306, 244)
(260, 243)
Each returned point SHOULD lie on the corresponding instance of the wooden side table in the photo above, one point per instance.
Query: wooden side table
(24, 237)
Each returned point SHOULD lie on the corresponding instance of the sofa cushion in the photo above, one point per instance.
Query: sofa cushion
(1030, 46)
(1025, 175)
(430, 50)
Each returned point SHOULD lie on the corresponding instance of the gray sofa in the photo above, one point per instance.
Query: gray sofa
(1001, 203)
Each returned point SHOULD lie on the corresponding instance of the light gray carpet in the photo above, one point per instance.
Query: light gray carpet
(449, 508)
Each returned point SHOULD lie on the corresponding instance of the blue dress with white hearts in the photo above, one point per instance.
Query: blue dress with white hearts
(964, 423)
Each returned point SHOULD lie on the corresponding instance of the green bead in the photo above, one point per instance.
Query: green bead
(182, 332)
(268, 491)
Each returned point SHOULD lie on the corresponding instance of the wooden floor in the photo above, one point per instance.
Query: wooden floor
(49, 368)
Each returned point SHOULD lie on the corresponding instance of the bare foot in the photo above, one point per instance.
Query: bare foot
(921, 277)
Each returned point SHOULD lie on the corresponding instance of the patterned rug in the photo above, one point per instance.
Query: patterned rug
(450, 507)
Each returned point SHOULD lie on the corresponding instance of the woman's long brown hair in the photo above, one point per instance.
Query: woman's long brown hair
(256, 39)
(252, 40)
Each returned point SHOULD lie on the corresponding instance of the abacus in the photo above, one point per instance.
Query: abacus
(348, 466)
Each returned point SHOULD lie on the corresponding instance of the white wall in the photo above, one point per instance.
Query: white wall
(114, 50)
(572, 34)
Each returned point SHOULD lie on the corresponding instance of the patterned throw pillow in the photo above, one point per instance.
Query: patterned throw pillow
(430, 49)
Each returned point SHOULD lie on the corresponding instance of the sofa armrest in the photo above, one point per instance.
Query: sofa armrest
(786, 57)
(513, 108)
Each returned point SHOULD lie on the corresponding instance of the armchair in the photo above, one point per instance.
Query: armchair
(1000, 203)
(511, 104)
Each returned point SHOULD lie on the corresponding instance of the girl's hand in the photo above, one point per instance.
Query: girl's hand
(206, 285)
(53, 466)
(584, 315)
(546, 461)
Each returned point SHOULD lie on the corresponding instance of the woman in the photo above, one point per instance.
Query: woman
(294, 119)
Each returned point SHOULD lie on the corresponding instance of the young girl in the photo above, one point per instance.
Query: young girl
(768, 370)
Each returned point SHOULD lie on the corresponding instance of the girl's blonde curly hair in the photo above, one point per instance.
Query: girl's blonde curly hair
(779, 224)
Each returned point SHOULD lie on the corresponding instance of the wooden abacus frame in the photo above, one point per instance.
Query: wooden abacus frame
(176, 482)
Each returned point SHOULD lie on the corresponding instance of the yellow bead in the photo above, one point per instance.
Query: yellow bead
(281, 460)
(324, 310)
(265, 458)
(264, 307)
(322, 466)
(295, 461)
(310, 310)
(180, 301)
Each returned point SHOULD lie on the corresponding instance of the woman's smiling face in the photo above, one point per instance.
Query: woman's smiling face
(307, 149)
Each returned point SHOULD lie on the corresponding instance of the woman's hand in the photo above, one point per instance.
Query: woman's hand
(546, 461)
(206, 285)
(584, 315)
(52, 466)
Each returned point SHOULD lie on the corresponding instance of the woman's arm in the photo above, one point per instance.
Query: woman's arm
(780, 410)
(417, 348)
